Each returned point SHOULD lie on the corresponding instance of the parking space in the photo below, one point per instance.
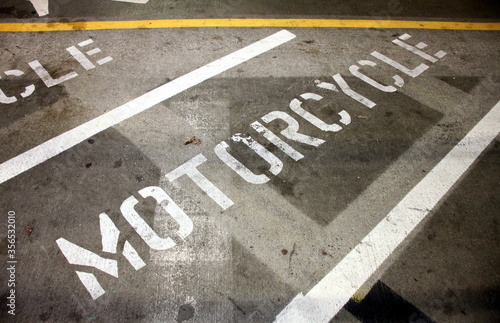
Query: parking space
(220, 174)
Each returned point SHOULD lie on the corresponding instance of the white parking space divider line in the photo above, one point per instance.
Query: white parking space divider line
(330, 295)
(65, 141)
(41, 7)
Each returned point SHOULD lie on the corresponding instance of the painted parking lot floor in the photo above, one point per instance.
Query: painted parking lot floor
(298, 169)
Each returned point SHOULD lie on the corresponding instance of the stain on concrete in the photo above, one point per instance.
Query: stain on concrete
(19, 11)
(463, 83)
(258, 294)
(186, 312)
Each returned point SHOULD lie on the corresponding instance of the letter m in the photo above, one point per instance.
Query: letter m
(77, 255)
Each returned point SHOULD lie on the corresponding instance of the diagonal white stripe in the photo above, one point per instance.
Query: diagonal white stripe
(328, 297)
(63, 142)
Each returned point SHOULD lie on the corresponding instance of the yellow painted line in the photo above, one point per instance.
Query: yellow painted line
(183, 23)
(360, 295)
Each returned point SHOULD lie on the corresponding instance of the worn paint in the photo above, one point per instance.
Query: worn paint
(328, 297)
(283, 23)
(63, 142)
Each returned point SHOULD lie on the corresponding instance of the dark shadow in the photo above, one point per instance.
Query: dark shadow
(383, 305)
(330, 176)
(258, 295)
(42, 98)
(463, 83)
(467, 9)
(452, 264)
(63, 197)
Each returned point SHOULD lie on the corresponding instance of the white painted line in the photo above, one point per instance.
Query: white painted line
(76, 255)
(421, 45)
(41, 7)
(63, 142)
(109, 233)
(84, 61)
(93, 51)
(94, 287)
(134, 1)
(404, 37)
(85, 43)
(328, 297)
(190, 169)
(415, 51)
(105, 60)
(132, 256)
(440, 54)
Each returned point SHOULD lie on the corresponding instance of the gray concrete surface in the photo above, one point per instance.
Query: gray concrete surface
(247, 262)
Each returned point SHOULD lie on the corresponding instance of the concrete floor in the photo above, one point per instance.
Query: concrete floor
(252, 248)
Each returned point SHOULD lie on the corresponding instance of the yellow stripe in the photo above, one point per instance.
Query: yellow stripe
(360, 294)
(182, 23)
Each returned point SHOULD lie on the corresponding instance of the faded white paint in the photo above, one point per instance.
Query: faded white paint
(27, 92)
(354, 69)
(45, 76)
(440, 54)
(415, 50)
(404, 37)
(275, 162)
(80, 57)
(326, 86)
(240, 169)
(6, 99)
(328, 297)
(355, 95)
(398, 81)
(149, 236)
(109, 233)
(132, 256)
(90, 282)
(93, 51)
(296, 107)
(291, 132)
(105, 60)
(41, 7)
(411, 72)
(79, 256)
(134, 1)
(85, 42)
(275, 140)
(190, 169)
(65, 141)
(421, 45)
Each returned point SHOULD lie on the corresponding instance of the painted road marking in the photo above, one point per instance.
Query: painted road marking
(109, 231)
(41, 7)
(330, 295)
(11, 99)
(283, 23)
(45, 76)
(63, 142)
(134, 1)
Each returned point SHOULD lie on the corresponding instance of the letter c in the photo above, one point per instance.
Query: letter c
(296, 107)
(11, 99)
